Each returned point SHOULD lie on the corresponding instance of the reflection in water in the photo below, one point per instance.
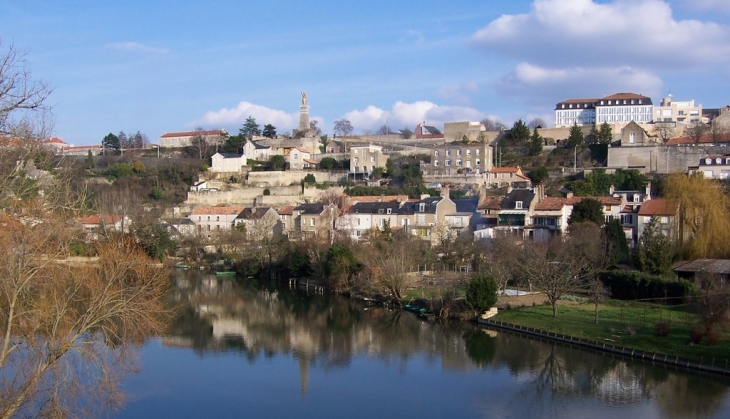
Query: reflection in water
(328, 333)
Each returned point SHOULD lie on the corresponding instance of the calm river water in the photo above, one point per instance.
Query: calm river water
(253, 350)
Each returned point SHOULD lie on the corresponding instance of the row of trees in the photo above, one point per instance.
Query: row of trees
(123, 141)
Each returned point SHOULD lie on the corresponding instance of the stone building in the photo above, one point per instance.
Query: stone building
(452, 159)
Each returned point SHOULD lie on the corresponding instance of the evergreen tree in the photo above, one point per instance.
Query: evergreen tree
(269, 131)
(653, 253)
(576, 138)
(616, 247)
(250, 128)
(481, 293)
(519, 131)
(535, 143)
(111, 142)
(587, 210)
(89, 160)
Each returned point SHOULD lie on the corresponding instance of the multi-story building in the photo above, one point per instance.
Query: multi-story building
(713, 167)
(184, 139)
(209, 219)
(575, 111)
(365, 158)
(453, 159)
(619, 109)
(677, 111)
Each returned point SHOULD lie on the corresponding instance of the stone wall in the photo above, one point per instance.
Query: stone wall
(290, 177)
(661, 159)
(280, 195)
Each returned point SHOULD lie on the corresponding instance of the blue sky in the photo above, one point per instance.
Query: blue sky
(164, 66)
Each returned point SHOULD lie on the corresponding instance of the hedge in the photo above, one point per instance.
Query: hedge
(633, 285)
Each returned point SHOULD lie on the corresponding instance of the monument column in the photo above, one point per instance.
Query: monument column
(304, 115)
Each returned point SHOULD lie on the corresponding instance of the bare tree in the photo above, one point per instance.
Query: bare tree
(384, 130)
(391, 267)
(560, 266)
(199, 144)
(537, 123)
(20, 95)
(696, 131)
(665, 131)
(343, 127)
(493, 125)
(718, 132)
(597, 293)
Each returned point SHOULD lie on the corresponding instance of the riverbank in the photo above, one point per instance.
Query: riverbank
(624, 324)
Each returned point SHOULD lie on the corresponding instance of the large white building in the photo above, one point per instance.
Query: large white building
(616, 109)
(184, 139)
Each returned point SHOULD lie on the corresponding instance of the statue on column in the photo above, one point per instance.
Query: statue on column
(304, 98)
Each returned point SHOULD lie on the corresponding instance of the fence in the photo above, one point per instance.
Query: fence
(712, 366)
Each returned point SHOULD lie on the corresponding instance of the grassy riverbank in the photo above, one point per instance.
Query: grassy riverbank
(626, 324)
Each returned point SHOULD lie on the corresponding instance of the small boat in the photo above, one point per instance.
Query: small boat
(225, 273)
(181, 266)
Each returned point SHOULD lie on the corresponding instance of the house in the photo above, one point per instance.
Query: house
(209, 219)
(299, 158)
(507, 176)
(632, 134)
(95, 224)
(361, 217)
(286, 217)
(426, 217)
(424, 131)
(180, 226)
(364, 159)
(184, 139)
(314, 220)
(718, 268)
(452, 159)
(259, 223)
(575, 111)
(81, 150)
(713, 167)
(227, 163)
(665, 211)
(260, 152)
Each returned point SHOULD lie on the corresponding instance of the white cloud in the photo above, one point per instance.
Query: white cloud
(459, 93)
(641, 33)
(235, 117)
(135, 47)
(408, 115)
(546, 84)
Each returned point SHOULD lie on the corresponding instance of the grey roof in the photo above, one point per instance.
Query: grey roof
(231, 155)
(432, 130)
(258, 146)
(466, 204)
(524, 195)
(255, 213)
(374, 207)
(311, 209)
(429, 206)
(714, 266)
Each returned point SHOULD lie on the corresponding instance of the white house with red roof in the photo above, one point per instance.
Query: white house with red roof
(300, 158)
(507, 176)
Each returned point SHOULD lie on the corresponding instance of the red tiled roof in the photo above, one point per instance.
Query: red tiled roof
(287, 210)
(551, 203)
(54, 140)
(705, 139)
(625, 96)
(191, 133)
(229, 210)
(659, 207)
(491, 203)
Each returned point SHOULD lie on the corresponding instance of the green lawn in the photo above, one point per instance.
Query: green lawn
(626, 324)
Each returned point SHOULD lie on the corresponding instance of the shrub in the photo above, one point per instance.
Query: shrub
(204, 168)
(310, 179)
(639, 285)
(695, 335)
(662, 328)
(713, 336)
(481, 293)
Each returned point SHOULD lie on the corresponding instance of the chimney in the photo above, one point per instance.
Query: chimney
(611, 189)
(569, 194)
(445, 191)
(647, 191)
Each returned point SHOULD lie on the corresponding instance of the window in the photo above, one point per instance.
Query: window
(477, 151)
(477, 162)
(632, 137)
(448, 152)
(468, 152)
(390, 210)
(358, 221)
(448, 162)
(209, 218)
(358, 233)
(665, 220)
(436, 153)
(518, 205)
(311, 221)
(436, 163)
(380, 210)
(458, 162)
(372, 159)
(218, 218)
(421, 207)
(458, 152)
(607, 208)
(708, 161)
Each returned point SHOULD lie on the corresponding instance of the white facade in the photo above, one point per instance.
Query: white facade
(209, 219)
(299, 158)
(620, 108)
(227, 163)
(575, 111)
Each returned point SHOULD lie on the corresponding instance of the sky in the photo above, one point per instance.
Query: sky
(167, 66)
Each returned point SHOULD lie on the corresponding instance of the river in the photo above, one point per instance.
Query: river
(255, 350)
